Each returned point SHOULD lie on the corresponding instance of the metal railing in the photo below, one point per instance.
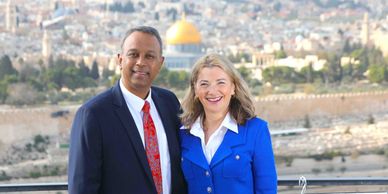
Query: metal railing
(33, 187)
(62, 186)
(335, 181)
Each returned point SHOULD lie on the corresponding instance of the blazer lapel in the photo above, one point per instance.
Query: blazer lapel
(127, 121)
(231, 139)
(192, 150)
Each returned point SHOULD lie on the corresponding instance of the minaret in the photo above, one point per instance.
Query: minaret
(46, 45)
(365, 39)
(106, 8)
(10, 17)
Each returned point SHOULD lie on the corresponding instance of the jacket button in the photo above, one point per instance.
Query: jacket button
(181, 159)
(237, 157)
(207, 173)
(209, 189)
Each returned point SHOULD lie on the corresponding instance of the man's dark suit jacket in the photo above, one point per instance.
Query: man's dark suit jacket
(107, 155)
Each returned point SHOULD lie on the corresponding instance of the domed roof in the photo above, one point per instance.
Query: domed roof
(183, 32)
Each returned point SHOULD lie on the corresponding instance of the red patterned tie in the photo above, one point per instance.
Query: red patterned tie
(151, 147)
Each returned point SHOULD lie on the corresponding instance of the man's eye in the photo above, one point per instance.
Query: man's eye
(132, 55)
(150, 56)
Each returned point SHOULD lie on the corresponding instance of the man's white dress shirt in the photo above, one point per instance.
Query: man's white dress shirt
(135, 105)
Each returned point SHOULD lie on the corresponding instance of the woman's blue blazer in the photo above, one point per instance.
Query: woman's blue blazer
(243, 164)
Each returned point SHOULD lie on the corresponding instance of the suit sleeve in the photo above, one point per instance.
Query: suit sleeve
(264, 170)
(85, 155)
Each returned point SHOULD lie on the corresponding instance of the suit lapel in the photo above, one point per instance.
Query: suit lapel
(231, 139)
(127, 121)
(192, 150)
(165, 114)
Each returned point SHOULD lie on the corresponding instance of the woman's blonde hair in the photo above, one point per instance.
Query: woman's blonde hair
(241, 106)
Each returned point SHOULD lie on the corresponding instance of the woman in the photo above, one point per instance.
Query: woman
(225, 148)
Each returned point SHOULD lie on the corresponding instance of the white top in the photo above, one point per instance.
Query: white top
(216, 138)
(135, 104)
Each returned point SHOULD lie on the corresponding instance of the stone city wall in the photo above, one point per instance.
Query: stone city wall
(22, 123)
(290, 107)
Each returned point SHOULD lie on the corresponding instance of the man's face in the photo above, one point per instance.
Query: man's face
(140, 62)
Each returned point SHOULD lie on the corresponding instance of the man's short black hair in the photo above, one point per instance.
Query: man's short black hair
(145, 29)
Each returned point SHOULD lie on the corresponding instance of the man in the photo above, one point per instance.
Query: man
(117, 145)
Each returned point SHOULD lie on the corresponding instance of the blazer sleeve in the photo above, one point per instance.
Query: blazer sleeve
(85, 155)
(264, 170)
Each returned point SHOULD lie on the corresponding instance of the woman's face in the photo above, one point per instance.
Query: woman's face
(214, 89)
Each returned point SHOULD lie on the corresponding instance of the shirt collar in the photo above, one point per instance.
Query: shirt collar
(134, 101)
(197, 129)
(228, 123)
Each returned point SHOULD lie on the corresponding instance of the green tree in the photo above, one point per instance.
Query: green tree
(280, 54)
(161, 79)
(375, 56)
(4, 176)
(84, 69)
(347, 47)
(65, 73)
(3, 92)
(359, 69)
(106, 73)
(245, 73)
(72, 78)
(27, 73)
(240, 56)
(376, 73)
(41, 63)
(333, 71)
(386, 74)
(308, 73)
(366, 57)
(51, 62)
(348, 71)
(178, 79)
(173, 79)
(94, 73)
(281, 75)
(4, 87)
(183, 81)
(6, 67)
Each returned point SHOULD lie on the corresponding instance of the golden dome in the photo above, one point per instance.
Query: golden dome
(183, 32)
